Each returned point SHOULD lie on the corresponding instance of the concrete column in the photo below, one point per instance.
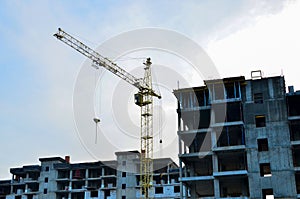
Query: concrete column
(271, 88)
(193, 191)
(215, 163)
(86, 195)
(70, 184)
(248, 92)
(217, 188)
(213, 139)
(11, 187)
(26, 185)
(102, 174)
(86, 177)
(180, 176)
(168, 174)
(179, 145)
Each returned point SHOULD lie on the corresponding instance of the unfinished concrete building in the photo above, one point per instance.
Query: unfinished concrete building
(239, 138)
(57, 178)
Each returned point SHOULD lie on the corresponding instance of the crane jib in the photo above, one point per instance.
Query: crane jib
(102, 61)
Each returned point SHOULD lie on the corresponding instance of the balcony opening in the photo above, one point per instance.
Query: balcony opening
(262, 144)
(33, 175)
(230, 91)
(203, 167)
(61, 195)
(79, 195)
(78, 184)
(204, 189)
(233, 90)
(5, 189)
(78, 174)
(160, 179)
(94, 173)
(176, 189)
(110, 183)
(108, 171)
(234, 187)
(201, 143)
(94, 184)
(174, 178)
(94, 194)
(295, 130)
(231, 136)
(197, 97)
(234, 112)
(63, 174)
(202, 97)
(297, 177)
(265, 170)
(106, 193)
(193, 120)
(260, 121)
(204, 119)
(159, 190)
(228, 112)
(63, 185)
(267, 194)
(18, 189)
(296, 156)
(293, 105)
(33, 187)
(232, 161)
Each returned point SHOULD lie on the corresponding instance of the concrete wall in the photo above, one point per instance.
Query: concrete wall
(51, 186)
(276, 131)
(127, 164)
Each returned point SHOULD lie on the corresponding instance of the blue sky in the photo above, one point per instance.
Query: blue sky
(38, 72)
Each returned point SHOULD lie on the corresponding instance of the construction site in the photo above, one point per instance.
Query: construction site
(237, 138)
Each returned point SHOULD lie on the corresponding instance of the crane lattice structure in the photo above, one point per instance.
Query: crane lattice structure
(144, 99)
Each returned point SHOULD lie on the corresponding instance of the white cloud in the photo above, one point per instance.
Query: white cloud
(270, 44)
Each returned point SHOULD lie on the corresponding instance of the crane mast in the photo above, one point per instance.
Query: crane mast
(144, 99)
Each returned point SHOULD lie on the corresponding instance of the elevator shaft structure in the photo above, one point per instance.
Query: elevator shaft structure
(144, 99)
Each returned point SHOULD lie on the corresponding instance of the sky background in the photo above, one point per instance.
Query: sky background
(38, 72)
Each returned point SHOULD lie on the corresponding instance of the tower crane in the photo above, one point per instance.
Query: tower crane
(143, 98)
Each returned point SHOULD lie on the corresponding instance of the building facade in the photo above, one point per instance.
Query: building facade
(57, 178)
(239, 138)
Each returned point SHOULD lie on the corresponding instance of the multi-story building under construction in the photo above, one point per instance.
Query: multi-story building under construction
(57, 178)
(239, 138)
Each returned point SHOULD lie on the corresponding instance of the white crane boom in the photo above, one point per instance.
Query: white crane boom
(143, 99)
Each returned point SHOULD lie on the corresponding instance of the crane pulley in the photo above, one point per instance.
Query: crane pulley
(144, 99)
